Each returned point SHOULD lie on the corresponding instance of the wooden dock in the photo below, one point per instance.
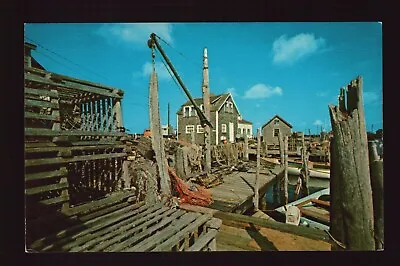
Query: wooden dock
(237, 191)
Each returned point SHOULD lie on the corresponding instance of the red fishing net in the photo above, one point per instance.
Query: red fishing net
(195, 194)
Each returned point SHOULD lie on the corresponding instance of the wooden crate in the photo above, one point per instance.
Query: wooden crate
(122, 226)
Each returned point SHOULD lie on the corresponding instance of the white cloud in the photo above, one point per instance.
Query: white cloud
(136, 33)
(262, 91)
(370, 97)
(147, 68)
(232, 91)
(318, 123)
(290, 50)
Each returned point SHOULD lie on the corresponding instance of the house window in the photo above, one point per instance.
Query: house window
(228, 107)
(223, 128)
(186, 111)
(276, 132)
(248, 131)
(189, 129)
(202, 107)
(276, 122)
(200, 129)
(193, 112)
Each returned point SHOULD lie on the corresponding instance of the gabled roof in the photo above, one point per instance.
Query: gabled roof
(242, 121)
(280, 118)
(216, 102)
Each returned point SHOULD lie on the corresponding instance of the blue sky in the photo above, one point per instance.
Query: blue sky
(291, 69)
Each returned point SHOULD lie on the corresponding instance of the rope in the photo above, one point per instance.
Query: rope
(67, 59)
(181, 54)
(336, 241)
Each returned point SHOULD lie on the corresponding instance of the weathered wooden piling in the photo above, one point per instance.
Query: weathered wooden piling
(246, 148)
(156, 139)
(207, 113)
(285, 176)
(376, 172)
(256, 196)
(305, 173)
(351, 194)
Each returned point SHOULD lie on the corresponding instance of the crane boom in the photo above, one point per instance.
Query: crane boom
(153, 41)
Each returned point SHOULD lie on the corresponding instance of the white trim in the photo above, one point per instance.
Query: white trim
(200, 127)
(230, 95)
(189, 126)
(216, 127)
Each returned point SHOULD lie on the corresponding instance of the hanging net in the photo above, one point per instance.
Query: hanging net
(193, 194)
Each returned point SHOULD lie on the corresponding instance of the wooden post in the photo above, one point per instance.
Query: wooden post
(376, 172)
(285, 177)
(117, 110)
(207, 113)
(55, 112)
(351, 173)
(156, 136)
(246, 148)
(305, 173)
(281, 149)
(256, 196)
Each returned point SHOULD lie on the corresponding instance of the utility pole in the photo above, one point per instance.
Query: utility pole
(207, 112)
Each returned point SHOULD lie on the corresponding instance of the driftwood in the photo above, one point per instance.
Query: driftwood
(352, 207)
(256, 196)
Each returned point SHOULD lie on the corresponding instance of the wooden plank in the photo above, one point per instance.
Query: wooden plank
(128, 231)
(70, 85)
(41, 92)
(107, 232)
(59, 160)
(321, 202)
(123, 246)
(75, 148)
(203, 240)
(45, 175)
(166, 233)
(49, 132)
(85, 82)
(314, 214)
(31, 115)
(39, 103)
(168, 244)
(47, 188)
(69, 231)
(54, 201)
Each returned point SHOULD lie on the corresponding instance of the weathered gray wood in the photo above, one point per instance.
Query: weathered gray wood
(41, 92)
(99, 238)
(179, 163)
(59, 160)
(117, 110)
(207, 112)
(53, 117)
(376, 172)
(88, 226)
(124, 245)
(70, 85)
(285, 174)
(45, 175)
(73, 148)
(47, 188)
(54, 201)
(166, 233)
(168, 244)
(352, 171)
(281, 148)
(49, 132)
(257, 183)
(38, 103)
(203, 240)
(304, 175)
(246, 148)
(157, 140)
